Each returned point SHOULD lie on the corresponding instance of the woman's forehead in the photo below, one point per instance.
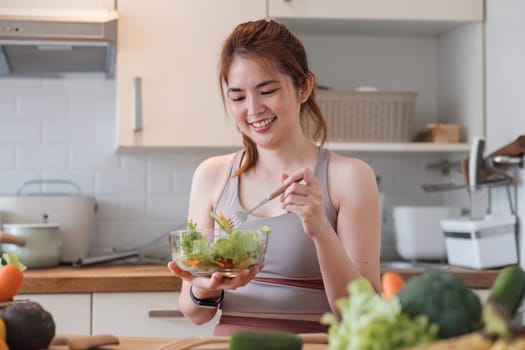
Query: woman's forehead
(247, 72)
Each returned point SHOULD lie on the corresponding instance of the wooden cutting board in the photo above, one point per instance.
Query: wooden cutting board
(314, 341)
(141, 343)
(224, 346)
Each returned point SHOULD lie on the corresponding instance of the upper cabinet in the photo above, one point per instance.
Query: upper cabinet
(168, 93)
(431, 47)
(379, 10)
(167, 87)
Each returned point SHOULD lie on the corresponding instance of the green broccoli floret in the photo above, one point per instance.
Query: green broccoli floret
(445, 300)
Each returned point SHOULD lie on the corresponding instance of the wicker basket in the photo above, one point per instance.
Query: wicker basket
(366, 116)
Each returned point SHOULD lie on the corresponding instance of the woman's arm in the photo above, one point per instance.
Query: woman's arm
(205, 189)
(208, 181)
(353, 251)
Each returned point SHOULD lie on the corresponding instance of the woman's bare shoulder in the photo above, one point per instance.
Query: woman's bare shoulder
(215, 164)
(349, 175)
(344, 165)
(211, 172)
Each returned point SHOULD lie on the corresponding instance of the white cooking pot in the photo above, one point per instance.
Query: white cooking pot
(36, 245)
(72, 211)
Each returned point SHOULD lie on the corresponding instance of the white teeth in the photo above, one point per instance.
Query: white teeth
(262, 123)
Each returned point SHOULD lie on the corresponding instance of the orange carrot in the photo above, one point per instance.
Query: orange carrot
(391, 283)
(11, 280)
(192, 262)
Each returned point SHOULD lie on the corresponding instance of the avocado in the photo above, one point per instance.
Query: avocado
(28, 325)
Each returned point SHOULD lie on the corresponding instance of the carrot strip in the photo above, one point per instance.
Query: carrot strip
(192, 262)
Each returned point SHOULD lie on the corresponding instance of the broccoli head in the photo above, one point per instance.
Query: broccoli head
(445, 300)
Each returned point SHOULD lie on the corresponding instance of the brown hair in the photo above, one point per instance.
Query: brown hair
(274, 43)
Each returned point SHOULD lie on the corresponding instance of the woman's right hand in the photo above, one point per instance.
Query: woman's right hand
(217, 281)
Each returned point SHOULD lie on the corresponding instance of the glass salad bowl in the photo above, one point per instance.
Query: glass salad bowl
(204, 251)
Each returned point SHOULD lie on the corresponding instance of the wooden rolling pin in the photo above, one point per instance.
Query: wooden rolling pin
(85, 342)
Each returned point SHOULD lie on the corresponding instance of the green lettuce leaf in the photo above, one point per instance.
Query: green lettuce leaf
(12, 259)
(370, 322)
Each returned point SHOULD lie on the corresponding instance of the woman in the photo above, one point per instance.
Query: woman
(325, 227)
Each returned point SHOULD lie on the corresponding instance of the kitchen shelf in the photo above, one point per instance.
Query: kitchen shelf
(401, 147)
(379, 147)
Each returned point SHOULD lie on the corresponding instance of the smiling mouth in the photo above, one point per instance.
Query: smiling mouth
(262, 123)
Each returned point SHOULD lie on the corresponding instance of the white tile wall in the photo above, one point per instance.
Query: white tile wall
(16, 131)
(65, 128)
(7, 157)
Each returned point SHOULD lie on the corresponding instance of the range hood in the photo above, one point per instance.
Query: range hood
(55, 44)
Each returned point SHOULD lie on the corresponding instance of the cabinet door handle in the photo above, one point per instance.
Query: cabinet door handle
(164, 313)
(137, 89)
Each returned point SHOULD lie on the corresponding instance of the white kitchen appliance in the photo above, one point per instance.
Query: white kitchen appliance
(73, 212)
(418, 232)
(480, 240)
(480, 244)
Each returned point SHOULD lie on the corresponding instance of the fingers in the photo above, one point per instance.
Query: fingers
(242, 279)
(304, 175)
(302, 183)
(176, 270)
(304, 199)
(217, 280)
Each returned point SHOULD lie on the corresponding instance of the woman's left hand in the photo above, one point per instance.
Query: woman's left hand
(304, 197)
(216, 281)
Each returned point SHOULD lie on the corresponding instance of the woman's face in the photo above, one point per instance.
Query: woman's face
(264, 103)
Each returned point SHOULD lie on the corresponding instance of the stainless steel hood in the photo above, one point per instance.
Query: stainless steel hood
(36, 45)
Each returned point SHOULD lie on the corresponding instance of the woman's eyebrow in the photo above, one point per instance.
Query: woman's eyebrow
(266, 82)
(258, 86)
(233, 89)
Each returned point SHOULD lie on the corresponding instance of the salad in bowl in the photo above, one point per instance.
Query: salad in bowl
(203, 251)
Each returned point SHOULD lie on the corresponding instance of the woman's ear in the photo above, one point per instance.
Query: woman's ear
(306, 90)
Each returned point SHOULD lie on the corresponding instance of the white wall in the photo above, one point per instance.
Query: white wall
(65, 128)
(505, 83)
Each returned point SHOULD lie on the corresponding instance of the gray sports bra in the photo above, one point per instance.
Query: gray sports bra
(290, 256)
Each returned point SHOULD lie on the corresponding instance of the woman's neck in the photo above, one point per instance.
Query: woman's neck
(287, 158)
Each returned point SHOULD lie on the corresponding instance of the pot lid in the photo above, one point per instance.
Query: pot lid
(32, 225)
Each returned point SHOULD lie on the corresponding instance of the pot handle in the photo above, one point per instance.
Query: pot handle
(49, 181)
(9, 238)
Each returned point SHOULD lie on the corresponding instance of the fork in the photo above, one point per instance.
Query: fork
(241, 216)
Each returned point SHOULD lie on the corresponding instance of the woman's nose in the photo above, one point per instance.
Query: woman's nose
(255, 107)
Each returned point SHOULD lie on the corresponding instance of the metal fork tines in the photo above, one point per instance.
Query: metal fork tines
(241, 216)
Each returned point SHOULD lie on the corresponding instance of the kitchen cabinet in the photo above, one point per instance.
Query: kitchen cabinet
(168, 95)
(167, 88)
(148, 314)
(71, 311)
(432, 47)
(393, 10)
